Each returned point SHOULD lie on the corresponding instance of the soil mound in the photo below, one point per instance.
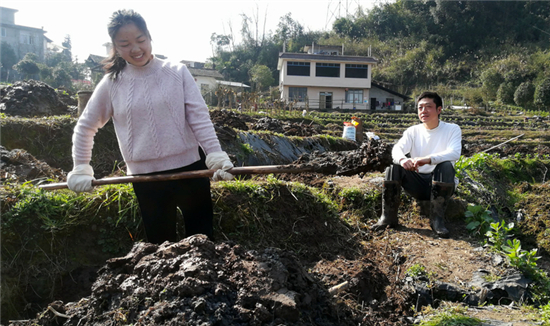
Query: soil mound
(18, 166)
(287, 128)
(372, 155)
(196, 282)
(31, 99)
(230, 119)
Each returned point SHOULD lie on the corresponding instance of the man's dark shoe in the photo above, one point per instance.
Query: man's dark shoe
(391, 199)
(441, 192)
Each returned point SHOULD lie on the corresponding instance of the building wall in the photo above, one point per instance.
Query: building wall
(319, 88)
(382, 97)
(314, 98)
(19, 37)
(325, 81)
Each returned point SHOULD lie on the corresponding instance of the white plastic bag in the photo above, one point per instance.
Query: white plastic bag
(349, 133)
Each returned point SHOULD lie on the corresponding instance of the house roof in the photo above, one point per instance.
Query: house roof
(405, 97)
(323, 57)
(205, 73)
(92, 58)
(232, 84)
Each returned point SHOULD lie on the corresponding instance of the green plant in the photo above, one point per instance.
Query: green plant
(479, 219)
(545, 314)
(416, 271)
(450, 316)
(499, 233)
(519, 258)
(476, 162)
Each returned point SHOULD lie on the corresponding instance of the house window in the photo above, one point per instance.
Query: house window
(297, 93)
(388, 104)
(357, 71)
(4, 33)
(26, 38)
(327, 69)
(354, 96)
(297, 68)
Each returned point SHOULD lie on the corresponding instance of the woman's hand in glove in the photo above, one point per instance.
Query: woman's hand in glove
(219, 161)
(80, 178)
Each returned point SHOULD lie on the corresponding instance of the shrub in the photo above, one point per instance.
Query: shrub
(523, 95)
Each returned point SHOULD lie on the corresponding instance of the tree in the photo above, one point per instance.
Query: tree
(28, 66)
(67, 51)
(505, 93)
(61, 78)
(261, 76)
(490, 82)
(218, 42)
(524, 94)
(542, 94)
(8, 59)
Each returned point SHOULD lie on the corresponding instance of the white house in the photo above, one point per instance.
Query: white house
(325, 78)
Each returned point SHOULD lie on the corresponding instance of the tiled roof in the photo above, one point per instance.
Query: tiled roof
(205, 73)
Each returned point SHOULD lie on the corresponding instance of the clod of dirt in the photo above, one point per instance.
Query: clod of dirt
(31, 99)
(196, 282)
(287, 128)
(373, 155)
(18, 166)
(230, 119)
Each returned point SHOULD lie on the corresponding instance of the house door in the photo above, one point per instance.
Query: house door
(373, 103)
(325, 100)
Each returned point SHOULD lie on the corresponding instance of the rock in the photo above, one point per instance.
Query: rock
(513, 286)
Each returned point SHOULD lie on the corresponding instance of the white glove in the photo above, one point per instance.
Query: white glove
(219, 161)
(80, 178)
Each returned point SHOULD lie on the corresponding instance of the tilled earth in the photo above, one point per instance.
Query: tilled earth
(197, 282)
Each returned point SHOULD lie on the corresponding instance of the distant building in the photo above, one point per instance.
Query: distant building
(324, 78)
(22, 39)
(382, 98)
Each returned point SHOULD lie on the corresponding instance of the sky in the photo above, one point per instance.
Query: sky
(180, 29)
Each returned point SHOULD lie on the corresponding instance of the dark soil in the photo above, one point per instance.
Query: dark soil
(31, 99)
(18, 166)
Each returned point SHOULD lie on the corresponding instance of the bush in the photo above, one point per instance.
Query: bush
(523, 95)
(542, 94)
(505, 94)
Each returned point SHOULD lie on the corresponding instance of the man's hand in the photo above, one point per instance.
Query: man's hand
(408, 164)
(420, 161)
(415, 163)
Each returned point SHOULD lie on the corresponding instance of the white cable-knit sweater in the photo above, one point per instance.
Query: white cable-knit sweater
(443, 143)
(159, 116)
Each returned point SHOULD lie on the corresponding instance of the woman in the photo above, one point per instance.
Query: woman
(162, 126)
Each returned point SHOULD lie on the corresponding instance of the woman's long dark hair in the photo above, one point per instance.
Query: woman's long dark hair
(114, 63)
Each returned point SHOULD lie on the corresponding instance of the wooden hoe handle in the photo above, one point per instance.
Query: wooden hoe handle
(267, 169)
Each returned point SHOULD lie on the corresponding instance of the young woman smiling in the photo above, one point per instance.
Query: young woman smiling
(162, 126)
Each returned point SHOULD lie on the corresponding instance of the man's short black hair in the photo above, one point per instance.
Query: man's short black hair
(434, 96)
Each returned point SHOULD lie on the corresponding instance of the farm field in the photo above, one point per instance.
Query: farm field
(292, 249)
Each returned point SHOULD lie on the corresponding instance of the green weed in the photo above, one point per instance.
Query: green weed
(415, 271)
(479, 219)
(449, 316)
(500, 231)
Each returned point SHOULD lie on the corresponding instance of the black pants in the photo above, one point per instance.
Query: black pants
(419, 185)
(158, 202)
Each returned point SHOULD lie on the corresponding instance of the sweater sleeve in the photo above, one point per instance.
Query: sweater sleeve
(197, 115)
(403, 146)
(97, 113)
(454, 146)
